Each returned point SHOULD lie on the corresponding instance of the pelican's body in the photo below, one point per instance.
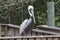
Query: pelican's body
(27, 25)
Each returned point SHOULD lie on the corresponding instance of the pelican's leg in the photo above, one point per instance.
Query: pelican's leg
(23, 33)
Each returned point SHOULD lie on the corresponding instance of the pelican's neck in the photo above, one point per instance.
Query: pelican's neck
(31, 17)
(31, 12)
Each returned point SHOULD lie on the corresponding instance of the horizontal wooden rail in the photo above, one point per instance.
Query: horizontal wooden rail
(43, 31)
(54, 28)
(11, 25)
(24, 37)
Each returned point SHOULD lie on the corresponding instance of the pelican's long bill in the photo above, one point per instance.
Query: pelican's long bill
(34, 18)
(31, 12)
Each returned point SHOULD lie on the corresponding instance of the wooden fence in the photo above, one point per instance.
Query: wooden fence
(50, 37)
(14, 30)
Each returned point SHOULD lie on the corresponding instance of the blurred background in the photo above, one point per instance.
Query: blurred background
(15, 11)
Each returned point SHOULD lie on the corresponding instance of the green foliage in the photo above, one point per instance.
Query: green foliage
(15, 12)
(41, 12)
(57, 12)
(9, 8)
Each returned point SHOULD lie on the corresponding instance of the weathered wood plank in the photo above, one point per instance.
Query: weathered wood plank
(51, 16)
(55, 39)
(39, 34)
(6, 32)
(16, 32)
(3, 31)
(11, 39)
(25, 39)
(49, 38)
(38, 38)
(0, 30)
(18, 39)
(43, 38)
(11, 32)
(33, 33)
(43, 31)
(31, 38)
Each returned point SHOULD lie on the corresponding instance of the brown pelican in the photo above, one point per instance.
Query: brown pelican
(27, 24)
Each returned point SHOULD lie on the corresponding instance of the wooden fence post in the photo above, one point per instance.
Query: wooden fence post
(51, 15)
(0, 30)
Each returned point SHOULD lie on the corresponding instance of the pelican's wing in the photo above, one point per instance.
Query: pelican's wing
(28, 27)
(22, 26)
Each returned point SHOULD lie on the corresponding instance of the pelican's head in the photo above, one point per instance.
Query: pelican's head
(31, 12)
